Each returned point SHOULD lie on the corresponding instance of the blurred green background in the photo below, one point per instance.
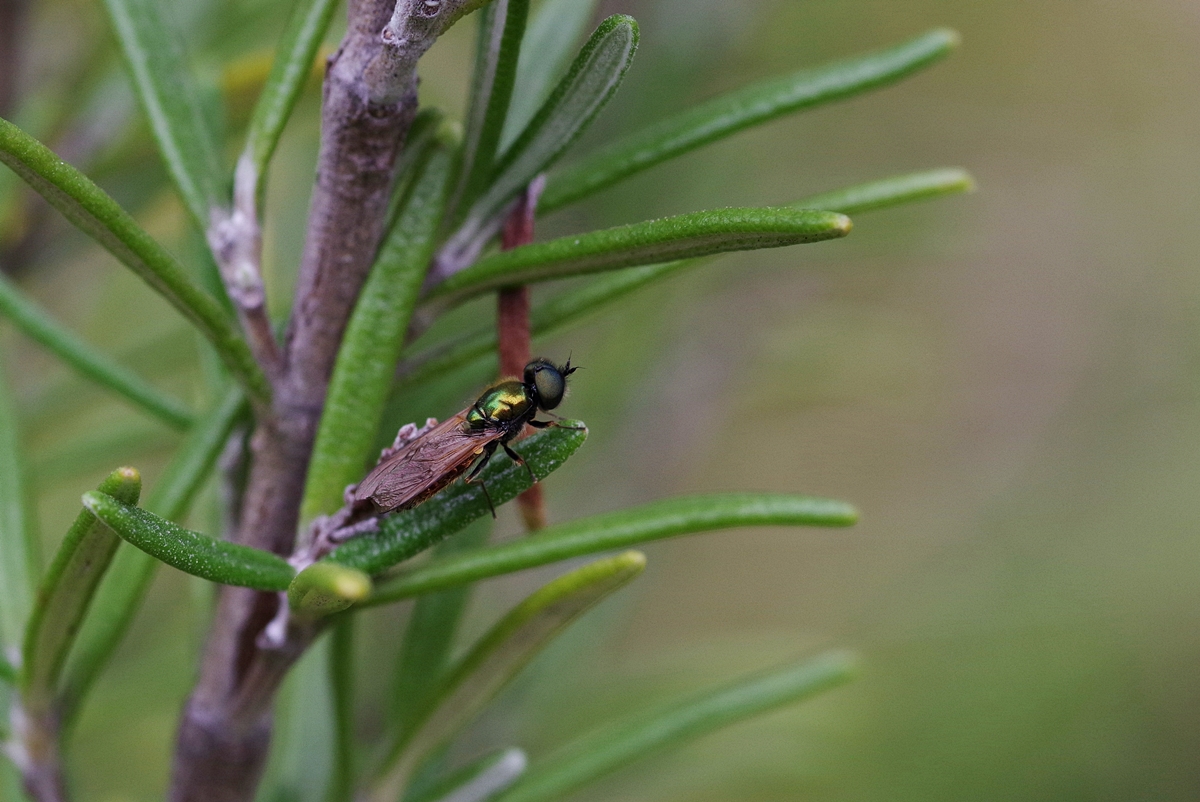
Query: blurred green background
(1006, 384)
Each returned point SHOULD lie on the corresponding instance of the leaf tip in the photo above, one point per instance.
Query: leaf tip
(965, 182)
(843, 664)
(848, 514)
(449, 134)
(841, 225)
(325, 588)
(92, 500)
(620, 20)
(631, 562)
(951, 39)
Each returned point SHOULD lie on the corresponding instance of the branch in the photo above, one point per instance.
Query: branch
(234, 235)
(235, 238)
(369, 104)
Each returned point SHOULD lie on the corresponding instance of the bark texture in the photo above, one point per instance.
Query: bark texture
(224, 734)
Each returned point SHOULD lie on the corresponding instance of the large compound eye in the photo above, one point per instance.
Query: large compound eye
(551, 385)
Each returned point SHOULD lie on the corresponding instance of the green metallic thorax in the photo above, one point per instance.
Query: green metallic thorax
(505, 402)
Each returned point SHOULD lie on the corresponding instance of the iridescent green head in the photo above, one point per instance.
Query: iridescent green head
(546, 382)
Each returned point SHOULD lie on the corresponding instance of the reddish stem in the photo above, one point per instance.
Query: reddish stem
(513, 328)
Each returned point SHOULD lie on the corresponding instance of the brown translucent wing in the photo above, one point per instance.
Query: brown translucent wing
(422, 467)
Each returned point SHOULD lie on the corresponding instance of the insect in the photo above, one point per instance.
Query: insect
(424, 462)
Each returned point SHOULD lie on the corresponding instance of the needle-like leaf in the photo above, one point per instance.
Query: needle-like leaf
(341, 686)
(547, 317)
(164, 85)
(893, 191)
(326, 588)
(96, 214)
(129, 575)
(477, 782)
(611, 748)
(565, 308)
(575, 102)
(740, 109)
(191, 552)
(502, 29)
(65, 593)
(406, 534)
(39, 326)
(18, 546)
(616, 530)
(504, 651)
(550, 40)
(291, 68)
(650, 242)
(429, 636)
(300, 766)
(362, 375)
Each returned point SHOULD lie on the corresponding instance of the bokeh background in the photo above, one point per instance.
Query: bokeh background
(1007, 385)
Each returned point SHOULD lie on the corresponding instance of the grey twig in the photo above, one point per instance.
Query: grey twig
(235, 237)
(369, 104)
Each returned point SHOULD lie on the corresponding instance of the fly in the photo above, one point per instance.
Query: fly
(424, 462)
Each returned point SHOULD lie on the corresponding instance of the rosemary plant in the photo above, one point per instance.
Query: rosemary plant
(412, 214)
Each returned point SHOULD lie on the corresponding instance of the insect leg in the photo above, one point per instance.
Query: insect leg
(472, 478)
(488, 496)
(520, 461)
(488, 451)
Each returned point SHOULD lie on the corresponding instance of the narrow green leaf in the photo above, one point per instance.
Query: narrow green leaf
(18, 545)
(39, 326)
(326, 588)
(7, 672)
(615, 530)
(191, 552)
(300, 765)
(506, 649)
(163, 83)
(366, 363)
(684, 236)
(429, 636)
(96, 214)
(477, 781)
(341, 685)
(547, 317)
(546, 51)
(489, 38)
(408, 533)
(575, 102)
(611, 748)
(502, 27)
(740, 109)
(892, 191)
(427, 131)
(65, 593)
(559, 311)
(128, 577)
(293, 63)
